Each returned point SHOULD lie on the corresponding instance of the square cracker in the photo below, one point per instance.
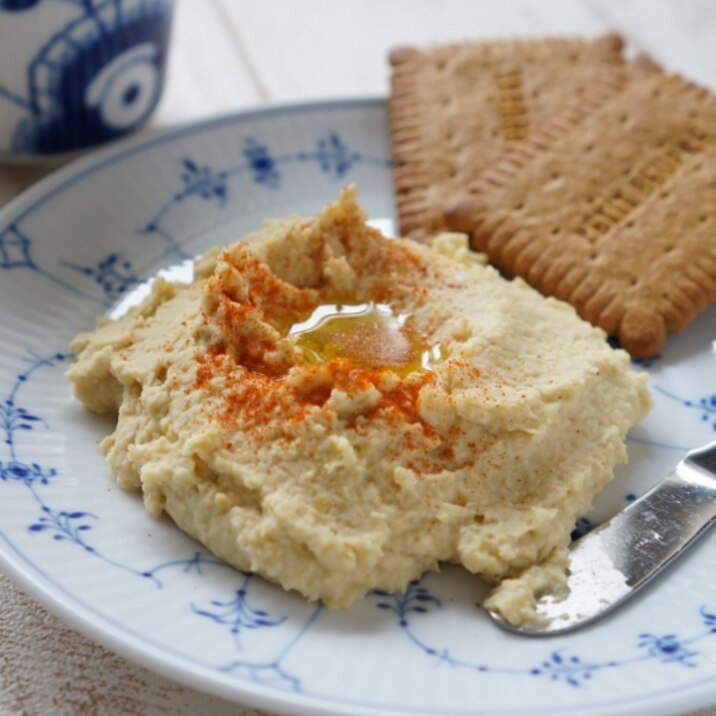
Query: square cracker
(611, 206)
(454, 109)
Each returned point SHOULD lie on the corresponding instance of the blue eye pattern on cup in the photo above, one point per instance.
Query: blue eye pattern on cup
(96, 78)
(17, 5)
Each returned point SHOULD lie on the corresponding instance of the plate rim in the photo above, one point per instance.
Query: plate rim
(28, 575)
(100, 629)
(45, 188)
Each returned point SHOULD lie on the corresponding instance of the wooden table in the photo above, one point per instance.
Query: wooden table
(233, 54)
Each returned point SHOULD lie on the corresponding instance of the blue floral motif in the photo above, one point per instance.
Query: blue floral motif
(262, 164)
(416, 600)
(334, 156)
(64, 525)
(16, 253)
(241, 614)
(570, 670)
(705, 405)
(27, 474)
(708, 407)
(15, 250)
(114, 275)
(73, 526)
(668, 648)
(237, 613)
(559, 666)
(13, 417)
(709, 619)
(273, 672)
(202, 181)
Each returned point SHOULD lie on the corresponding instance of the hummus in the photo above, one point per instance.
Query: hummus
(339, 412)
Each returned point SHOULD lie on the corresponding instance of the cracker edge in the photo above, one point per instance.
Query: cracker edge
(643, 333)
(409, 177)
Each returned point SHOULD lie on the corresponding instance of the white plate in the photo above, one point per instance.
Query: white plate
(73, 246)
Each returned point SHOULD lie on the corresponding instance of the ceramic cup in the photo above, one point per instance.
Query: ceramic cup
(75, 73)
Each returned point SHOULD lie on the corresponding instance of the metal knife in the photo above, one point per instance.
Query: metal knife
(612, 562)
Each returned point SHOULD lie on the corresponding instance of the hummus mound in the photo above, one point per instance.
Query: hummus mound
(334, 473)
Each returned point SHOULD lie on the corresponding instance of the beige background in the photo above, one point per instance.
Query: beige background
(232, 54)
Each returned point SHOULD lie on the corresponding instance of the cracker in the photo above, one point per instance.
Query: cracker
(611, 206)
(454, 109)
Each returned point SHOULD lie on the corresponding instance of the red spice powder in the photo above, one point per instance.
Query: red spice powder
(252, 303)
(252, 399)
(265, 290)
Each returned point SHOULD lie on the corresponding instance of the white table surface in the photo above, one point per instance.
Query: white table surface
(233, 54)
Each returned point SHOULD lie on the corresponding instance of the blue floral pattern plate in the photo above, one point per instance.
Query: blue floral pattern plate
(78, 245)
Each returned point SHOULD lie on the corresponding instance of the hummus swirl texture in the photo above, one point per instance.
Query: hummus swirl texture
(338, 476)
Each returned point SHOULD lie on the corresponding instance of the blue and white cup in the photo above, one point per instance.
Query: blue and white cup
(76, 73)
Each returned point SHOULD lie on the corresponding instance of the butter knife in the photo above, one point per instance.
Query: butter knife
(612, 562)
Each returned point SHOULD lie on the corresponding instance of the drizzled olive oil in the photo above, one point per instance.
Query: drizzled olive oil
(369, 335)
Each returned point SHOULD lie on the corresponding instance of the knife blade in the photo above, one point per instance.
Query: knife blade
(615, 560)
